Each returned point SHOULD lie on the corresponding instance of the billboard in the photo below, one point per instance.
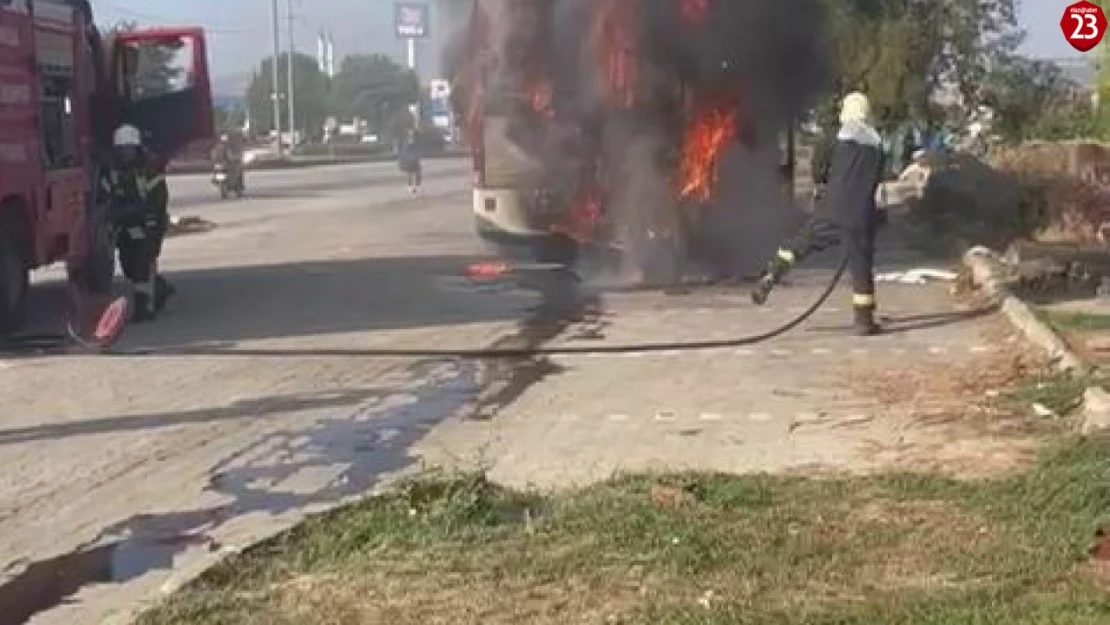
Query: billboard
(412, 20)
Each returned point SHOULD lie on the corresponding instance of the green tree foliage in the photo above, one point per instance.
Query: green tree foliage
(311, 92)
(374, 88)
(1034, 100)
(230, 118)
(904, 52)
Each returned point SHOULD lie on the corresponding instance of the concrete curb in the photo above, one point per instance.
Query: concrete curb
(987, 273)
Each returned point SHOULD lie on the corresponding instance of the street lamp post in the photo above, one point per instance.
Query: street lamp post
(292, 97)
(276, 80)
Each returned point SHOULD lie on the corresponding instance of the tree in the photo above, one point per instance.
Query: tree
(230, 118)
(311, 93)
(906, 52)
(1034, 100)
(374, 88)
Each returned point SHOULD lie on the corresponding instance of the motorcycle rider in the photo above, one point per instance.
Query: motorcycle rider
(227, 154)
(135, 185)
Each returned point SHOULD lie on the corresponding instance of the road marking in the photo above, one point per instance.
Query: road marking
(781, 353)
(760, 417)
(744, 352)
(671, 353)
(821, 351)
(937, 351)
(711, 416)
(666, 416)
(979, 349)
(388, 434)
(620, 418)
(860, 351)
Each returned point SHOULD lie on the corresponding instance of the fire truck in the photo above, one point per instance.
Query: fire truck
(63, 90)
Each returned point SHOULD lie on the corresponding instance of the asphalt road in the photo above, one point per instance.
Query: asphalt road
(122, 470)
(125, 475)
(196, 190)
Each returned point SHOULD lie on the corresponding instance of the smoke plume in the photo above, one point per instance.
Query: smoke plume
(619, 101)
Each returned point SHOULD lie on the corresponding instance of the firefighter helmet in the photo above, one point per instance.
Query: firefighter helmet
(127, 136)
(856, 108)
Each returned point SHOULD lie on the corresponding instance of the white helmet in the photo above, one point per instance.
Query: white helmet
(855, 108)
(127, 136)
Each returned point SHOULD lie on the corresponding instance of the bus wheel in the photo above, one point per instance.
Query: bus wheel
(14, 274)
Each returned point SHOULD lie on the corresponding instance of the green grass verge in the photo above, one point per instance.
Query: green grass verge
(683, 550)
(1076, 321)
(1059, 392)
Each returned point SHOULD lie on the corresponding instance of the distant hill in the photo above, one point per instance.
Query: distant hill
(230, 87)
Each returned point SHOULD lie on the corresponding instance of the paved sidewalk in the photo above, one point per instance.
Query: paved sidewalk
(817, 397)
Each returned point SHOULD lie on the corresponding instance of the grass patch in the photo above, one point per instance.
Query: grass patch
(1059, 392)
(1076, 321)
(901, 549)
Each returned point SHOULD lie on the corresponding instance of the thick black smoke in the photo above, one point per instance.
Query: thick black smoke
(766, 56)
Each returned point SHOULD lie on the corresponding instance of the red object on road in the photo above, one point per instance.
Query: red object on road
(112, 322)
(1084, 25)
(489, 270)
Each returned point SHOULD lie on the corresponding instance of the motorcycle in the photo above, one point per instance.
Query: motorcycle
(227, 181)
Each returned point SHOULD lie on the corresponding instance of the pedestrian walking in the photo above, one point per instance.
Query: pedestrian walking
(408, 158)
(848, 212)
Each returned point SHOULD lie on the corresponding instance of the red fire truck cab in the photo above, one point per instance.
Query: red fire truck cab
(63, 90)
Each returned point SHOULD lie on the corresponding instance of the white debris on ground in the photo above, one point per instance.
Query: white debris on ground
(917, 276)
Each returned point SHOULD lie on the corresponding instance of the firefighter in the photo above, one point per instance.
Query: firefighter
(136, 188)
(848, 211)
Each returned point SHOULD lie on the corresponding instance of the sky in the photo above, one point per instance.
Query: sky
(240, 31)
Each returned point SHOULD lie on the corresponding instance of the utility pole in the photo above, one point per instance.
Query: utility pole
(292, 82)
(276, 95)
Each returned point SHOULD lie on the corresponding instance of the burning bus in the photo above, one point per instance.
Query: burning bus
(613, 123)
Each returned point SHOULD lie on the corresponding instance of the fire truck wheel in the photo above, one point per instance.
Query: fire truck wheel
(97, 271)
(14, 273)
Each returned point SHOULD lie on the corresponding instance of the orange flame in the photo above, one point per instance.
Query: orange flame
(705, 140)
(694, 11)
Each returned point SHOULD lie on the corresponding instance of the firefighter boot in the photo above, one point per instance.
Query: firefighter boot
(144, 309)
(164, 291)
(865, 324)
(772, 275)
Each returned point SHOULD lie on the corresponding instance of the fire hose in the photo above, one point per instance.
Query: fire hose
(47, 342)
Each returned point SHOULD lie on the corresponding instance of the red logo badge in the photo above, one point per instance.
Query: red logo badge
(1083, 24)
